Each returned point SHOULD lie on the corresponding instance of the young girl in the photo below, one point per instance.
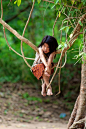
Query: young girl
(42, 65)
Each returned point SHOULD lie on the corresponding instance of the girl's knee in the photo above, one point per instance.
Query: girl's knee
(46, 74)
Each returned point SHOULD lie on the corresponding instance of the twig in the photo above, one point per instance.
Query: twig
(13, 49)
(69, 19)
(78, 61)
(64, 5)
(24, 33)
(1, 10)
(56, 21)
(66, 33)
(48, 1)
(63, 64)
(70, 11)
(59, 78)
(18, 35)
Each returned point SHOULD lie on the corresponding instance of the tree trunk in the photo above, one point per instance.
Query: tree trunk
(81, 108)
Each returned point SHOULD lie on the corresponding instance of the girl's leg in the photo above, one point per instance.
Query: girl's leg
(43, 92)
(46, 80)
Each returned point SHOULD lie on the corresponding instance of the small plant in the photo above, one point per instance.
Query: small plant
(21, 114)
(5, 111)
(31, 98)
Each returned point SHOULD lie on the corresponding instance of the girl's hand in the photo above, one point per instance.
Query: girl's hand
(47, 74)
(48, 70)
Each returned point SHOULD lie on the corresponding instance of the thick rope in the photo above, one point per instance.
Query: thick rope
(56, 69)
(63, 64)
(59, 63)
(59, 79)
(24, 33)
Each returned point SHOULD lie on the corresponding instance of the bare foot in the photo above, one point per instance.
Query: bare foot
(43, 92)
(49, 91)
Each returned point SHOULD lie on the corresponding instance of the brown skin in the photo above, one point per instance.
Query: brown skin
(47, 72)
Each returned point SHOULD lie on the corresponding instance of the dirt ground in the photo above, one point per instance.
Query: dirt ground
(23, 107)
(34, 125)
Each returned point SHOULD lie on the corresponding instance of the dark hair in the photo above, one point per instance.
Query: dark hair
(51, 41)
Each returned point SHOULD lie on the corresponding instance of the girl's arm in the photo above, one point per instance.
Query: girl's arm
(50, 60)
(42, 57)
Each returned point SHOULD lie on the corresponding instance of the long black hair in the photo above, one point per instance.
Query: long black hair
(51, 41)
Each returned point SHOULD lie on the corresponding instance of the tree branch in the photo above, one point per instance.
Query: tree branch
(71, 41)
(48, 1)
(74, 112)
(77, 123)
(75, 34)
(18, 35)
(64, 5)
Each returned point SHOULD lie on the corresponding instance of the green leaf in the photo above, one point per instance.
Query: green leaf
(84, 56)
(65, 21)
(82, 62)
(15, 2)
(60, 46)
(67, 29)
(56, 1)
(83, 1)
(18, 2)
(38, 1)
(80, 5)
(80, 54)
(63, 28)
(80, 23)
(5, 111)
(72, 1)
(59, 13)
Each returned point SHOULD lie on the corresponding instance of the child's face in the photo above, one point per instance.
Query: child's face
(45, 48)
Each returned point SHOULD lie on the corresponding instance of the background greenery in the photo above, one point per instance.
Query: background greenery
(13, 68)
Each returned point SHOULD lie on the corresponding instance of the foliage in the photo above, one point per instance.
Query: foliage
(18, 2)
(31, 98)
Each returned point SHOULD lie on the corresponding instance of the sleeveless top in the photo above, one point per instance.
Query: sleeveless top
(38, 60)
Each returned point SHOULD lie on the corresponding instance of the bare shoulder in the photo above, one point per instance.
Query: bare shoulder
(40, 51)
(52, 54)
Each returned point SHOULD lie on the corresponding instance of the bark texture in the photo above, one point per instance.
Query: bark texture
(73, 114)
(79, 111)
